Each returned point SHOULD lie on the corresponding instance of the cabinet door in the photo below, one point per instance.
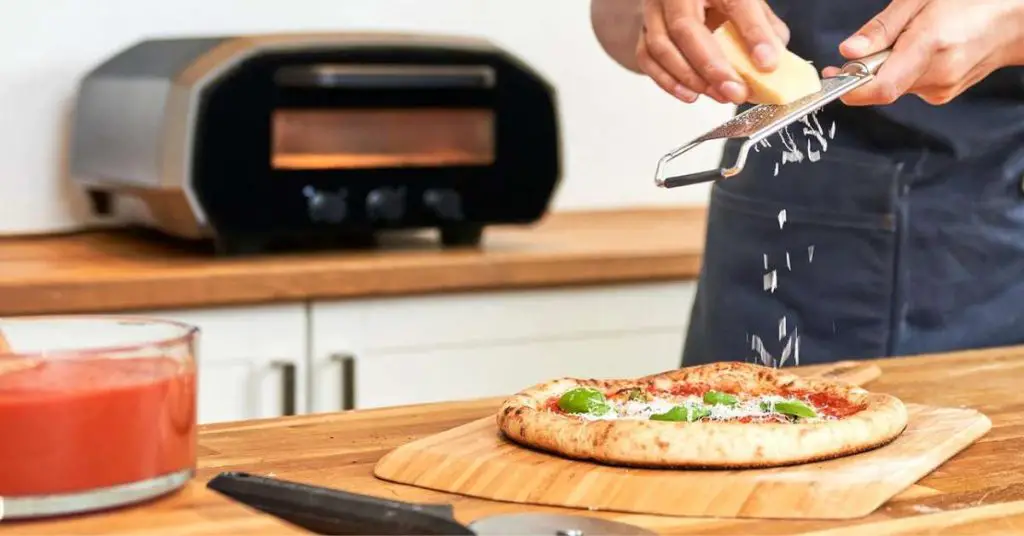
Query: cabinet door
(252, 361)
(370, 353)
(398, 378)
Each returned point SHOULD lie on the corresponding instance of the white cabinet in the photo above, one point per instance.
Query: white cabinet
(252, 360)
(271, 360)
(393, 351)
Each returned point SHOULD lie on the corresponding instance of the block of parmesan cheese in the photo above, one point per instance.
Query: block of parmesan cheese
(792, 79)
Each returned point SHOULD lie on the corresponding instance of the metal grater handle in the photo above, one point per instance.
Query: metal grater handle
(692, 178)
(701, 176)
(868, 65)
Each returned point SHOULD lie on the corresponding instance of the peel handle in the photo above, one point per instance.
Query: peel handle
(868, 65)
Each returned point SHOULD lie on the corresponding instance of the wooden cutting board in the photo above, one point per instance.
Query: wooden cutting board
(476, 460)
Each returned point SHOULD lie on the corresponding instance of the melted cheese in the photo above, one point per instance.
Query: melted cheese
(745, 408)
(792, 78)
(634, 410)
(638, 410)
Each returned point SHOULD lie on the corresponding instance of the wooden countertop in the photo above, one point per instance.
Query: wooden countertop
(116, 271)
(981, 490)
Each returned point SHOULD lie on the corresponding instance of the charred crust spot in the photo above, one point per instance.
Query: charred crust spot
(662, 444)
(602, 436)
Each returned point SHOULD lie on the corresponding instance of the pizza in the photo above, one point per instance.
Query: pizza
(720, 415)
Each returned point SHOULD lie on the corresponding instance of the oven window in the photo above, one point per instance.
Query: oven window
(350, 139)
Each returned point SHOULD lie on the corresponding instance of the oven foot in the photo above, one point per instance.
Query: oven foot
(239, 246)
(462, 235)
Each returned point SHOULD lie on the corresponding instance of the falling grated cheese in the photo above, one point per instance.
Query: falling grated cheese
(765, 255)
(782, 328)
(788, 267)
(757, 345)
(817, 131)
(810, 253)
(770, 281)
(812, 155)
(782, 218)
(787, 350)
(791, 152)
(776, 169)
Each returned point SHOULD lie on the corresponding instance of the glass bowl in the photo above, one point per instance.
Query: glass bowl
(95, 411)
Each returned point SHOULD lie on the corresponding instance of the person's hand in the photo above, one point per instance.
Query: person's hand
(940, 48)
(676, 48)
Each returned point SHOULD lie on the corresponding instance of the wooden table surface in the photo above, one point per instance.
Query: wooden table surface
(116, 271)
(981, 490)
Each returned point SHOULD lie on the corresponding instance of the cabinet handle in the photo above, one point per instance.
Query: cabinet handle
(348, 379)
(287, 386)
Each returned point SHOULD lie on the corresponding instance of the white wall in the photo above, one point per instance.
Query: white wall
(616, 124)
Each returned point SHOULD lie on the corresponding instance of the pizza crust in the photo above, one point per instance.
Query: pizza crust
(524, 419)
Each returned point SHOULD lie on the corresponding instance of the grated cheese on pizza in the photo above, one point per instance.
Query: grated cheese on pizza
(623, 405)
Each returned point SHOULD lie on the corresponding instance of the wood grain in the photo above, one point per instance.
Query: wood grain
(118, 271)
(476, 460)
(979, 520)
(340, 449)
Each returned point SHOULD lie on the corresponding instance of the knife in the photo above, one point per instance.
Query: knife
(329, 511)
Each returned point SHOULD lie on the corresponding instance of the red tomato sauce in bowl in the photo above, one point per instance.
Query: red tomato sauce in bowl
(72, 425)
(96, 412)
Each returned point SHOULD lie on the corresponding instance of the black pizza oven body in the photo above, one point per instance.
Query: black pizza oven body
(263, 140)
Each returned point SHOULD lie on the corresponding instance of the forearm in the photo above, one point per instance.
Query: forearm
(617, 26)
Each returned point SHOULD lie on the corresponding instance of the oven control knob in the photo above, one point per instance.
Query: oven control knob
(386, 204)
(328, 207)
(445, 203)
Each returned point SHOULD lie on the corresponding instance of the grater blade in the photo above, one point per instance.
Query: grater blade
(762, 121)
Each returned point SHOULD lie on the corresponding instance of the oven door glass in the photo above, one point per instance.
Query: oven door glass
(308, 139)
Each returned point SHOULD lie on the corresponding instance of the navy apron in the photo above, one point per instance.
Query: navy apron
(906, 235)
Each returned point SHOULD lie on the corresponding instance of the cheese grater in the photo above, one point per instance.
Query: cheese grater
(762, 121)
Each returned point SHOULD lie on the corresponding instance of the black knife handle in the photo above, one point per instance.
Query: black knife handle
(329, 511)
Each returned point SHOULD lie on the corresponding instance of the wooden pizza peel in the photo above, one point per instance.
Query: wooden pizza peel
(476, 460)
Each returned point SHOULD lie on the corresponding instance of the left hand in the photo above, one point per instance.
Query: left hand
(940, 48)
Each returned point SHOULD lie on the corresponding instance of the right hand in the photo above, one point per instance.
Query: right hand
(676, 48)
